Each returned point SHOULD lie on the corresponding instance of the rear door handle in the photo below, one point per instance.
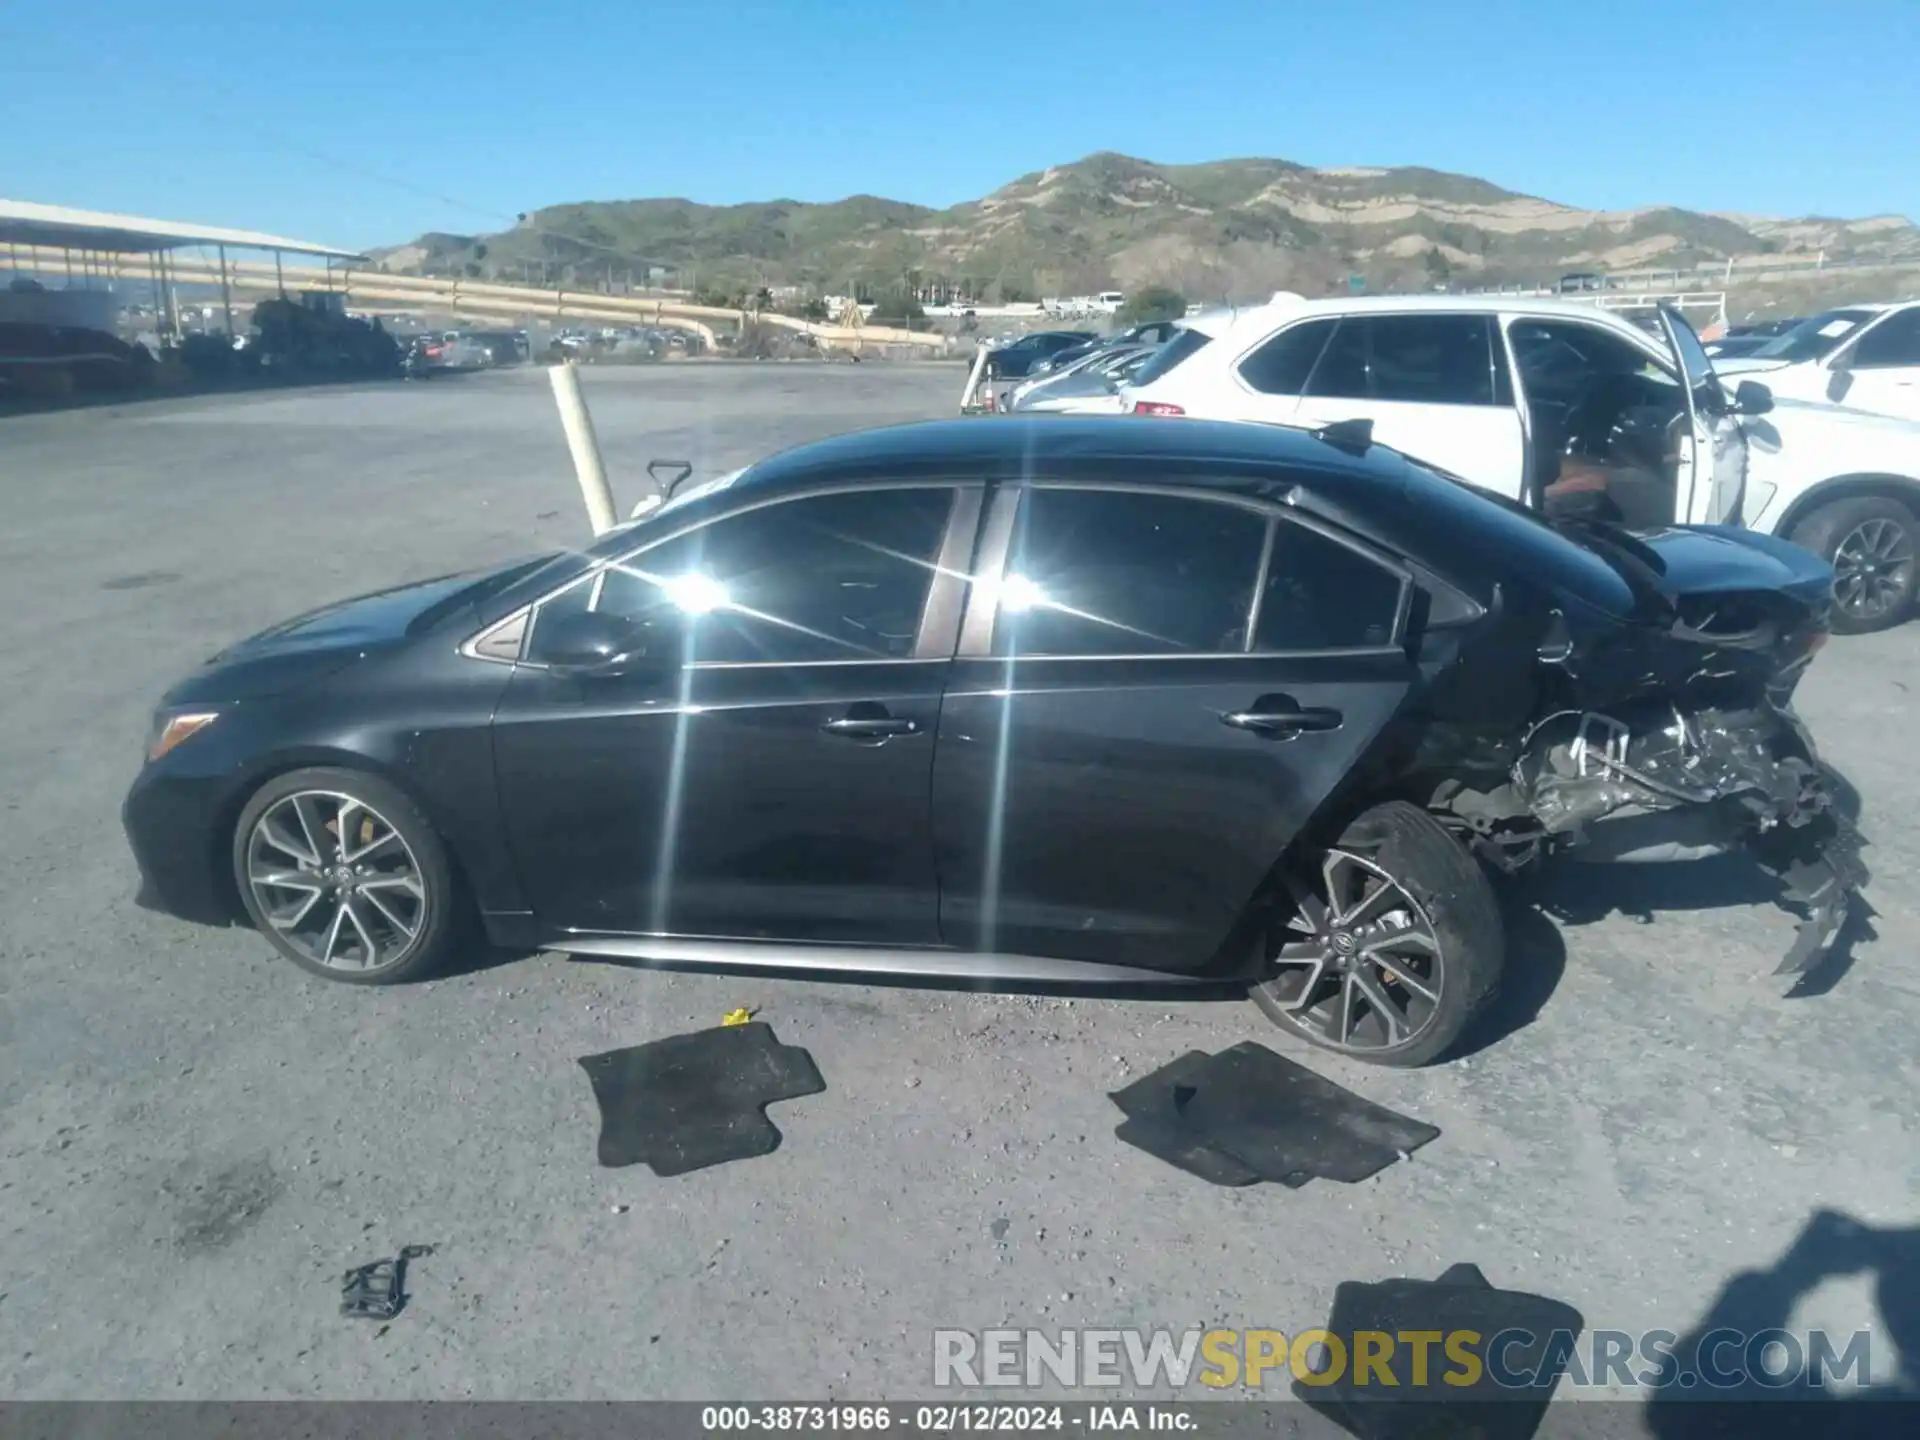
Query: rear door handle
(1280, 717)
(868, 721)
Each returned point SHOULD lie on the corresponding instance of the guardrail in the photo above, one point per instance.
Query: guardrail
(1714, 300)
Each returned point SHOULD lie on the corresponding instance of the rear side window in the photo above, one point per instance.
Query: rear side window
(1323, 595)
(1895, 341)
(1176, 351)
(1107, 572)
(1418, 359)
(1282, 365)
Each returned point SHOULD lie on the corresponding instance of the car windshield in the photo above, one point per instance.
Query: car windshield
(1813, 339)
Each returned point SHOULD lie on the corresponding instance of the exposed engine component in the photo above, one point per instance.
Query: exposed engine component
(1652, 783)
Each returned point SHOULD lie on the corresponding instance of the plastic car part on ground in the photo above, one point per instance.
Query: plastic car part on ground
(1247, 1115)
(691, 1101)
(379, 1291)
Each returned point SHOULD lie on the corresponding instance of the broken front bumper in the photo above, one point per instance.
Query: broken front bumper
(1653, 783)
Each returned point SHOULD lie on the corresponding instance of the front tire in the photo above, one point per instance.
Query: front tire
(1393, 944)
(346, 878)
(1873, 544)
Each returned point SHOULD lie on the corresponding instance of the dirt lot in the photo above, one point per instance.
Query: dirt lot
(196, 1139)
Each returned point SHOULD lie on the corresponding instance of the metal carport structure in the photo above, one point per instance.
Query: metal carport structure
(54, 236)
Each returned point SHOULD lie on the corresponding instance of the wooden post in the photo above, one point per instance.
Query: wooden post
(968, 397)
(226, 292)
(584, 447)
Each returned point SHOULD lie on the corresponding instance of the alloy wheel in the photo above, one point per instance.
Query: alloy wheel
(1873, 568)
(1361, 966)
(336, 880)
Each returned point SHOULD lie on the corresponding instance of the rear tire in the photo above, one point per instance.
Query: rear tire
(344, 876)
(1392, 945)
(1873, 544)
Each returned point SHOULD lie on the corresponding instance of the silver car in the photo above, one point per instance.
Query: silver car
(1089, 386)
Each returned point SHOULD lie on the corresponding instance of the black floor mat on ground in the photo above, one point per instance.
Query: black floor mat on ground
(691, 1101)
(1539, 1335)
(1247, 1115)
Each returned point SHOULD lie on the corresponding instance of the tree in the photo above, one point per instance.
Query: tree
(1155, 302)
(896, 308)
(1439, 268)
(815, 309)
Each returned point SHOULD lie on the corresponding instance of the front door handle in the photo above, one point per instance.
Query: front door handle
(1281, 717)
(868, 721)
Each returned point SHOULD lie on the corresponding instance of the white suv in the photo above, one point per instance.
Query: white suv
(1866, 357)
(1564, 405)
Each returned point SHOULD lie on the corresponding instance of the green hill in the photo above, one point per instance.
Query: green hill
(1225, 228)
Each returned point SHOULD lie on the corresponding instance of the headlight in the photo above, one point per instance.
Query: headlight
(170, 728)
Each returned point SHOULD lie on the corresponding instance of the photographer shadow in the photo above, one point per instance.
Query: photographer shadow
(1757, 1302)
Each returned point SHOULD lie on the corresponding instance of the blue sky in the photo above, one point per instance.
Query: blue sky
(360, 123)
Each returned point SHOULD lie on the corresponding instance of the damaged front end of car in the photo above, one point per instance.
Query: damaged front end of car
(1673, 738)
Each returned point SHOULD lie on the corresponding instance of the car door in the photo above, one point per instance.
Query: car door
(1435, 386)
(1880, 371)
(775, 784)
(1120, 761)
(1713, 470)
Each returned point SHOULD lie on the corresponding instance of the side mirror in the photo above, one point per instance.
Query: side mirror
(593, 645)
(1750, 397)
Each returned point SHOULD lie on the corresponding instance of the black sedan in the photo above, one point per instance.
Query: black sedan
(1015, 360)
(1071, 701)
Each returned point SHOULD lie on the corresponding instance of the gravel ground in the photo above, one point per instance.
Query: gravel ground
(196, 1139)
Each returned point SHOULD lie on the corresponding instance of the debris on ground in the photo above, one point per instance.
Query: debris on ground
(737, 1017)
(1248, 1115)
(379, 1291)
(691, 1101)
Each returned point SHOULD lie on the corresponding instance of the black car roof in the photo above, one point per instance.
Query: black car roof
(1468, 536)
(1006, 447)
(1371, 488)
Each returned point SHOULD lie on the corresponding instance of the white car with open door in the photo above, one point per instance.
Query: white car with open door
(1574, 409)
(1865, 357)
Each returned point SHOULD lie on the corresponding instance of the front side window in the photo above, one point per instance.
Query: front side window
(1416, 359)
(824, 577)
(1893, 343)
(1323, 595)
(1108, 572)
(1562, 360)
